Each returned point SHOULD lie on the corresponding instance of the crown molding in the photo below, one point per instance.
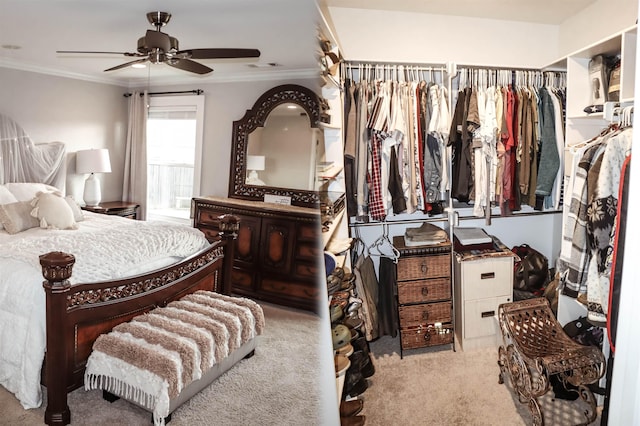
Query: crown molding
(251, 75)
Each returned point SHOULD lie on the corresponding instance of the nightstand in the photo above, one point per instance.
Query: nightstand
(117, 208)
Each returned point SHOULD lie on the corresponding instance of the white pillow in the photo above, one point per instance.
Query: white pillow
(75, 208)
(6, 197)
(26, 191)
(53, 211)
(16, 217)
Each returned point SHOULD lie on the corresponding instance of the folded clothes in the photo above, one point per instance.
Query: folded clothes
(426, 232)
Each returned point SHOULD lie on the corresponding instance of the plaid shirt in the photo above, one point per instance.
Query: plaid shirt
(376, 206)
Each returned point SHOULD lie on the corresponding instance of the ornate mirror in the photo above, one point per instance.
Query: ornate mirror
(274, 147)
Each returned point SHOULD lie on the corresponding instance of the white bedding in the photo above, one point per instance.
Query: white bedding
(105, 247)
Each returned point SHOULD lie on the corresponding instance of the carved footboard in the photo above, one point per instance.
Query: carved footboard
(78, 314)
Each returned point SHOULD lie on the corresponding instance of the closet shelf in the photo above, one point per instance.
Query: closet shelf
(333, 227)
(329, 80)
(331, 173)
(329, 126)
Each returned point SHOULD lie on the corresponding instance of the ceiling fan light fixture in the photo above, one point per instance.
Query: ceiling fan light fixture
(157, 47)
(138, 65)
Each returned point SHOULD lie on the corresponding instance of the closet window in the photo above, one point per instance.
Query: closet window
(174, 148)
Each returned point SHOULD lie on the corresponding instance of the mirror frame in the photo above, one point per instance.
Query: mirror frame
(256, 117)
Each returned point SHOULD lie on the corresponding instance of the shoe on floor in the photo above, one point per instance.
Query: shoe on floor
(352, 421)
(351, 408)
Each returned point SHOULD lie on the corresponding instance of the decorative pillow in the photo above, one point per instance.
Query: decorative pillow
(16, 217)
(53, 211)
(6, 197)
(26, 191)
(75, 208)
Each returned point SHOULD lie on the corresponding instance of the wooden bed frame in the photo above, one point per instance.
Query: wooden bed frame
(77, 314)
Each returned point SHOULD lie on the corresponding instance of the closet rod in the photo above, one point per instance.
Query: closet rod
(482, 67)
(434, 67)
(180, 92)
(445, 219)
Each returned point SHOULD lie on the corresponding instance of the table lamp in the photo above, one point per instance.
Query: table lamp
(254, 163)
(92, 161)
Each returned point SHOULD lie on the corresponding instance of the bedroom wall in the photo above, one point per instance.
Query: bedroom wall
(92, 115)
(226, 102)
(79, 113)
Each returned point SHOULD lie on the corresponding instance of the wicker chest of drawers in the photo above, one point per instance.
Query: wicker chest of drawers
(424, 295)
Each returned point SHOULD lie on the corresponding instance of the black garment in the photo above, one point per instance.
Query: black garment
(395, 185)
(387, 304)
(460, 140)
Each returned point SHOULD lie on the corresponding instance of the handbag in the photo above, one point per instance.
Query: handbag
(531, 273)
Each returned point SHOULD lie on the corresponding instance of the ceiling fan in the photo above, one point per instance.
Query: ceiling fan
(159, 47)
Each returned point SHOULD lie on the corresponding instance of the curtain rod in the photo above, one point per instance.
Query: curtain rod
(196, 92)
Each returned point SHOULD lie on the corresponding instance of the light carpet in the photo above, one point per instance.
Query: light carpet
(280, 385)
(437, 387)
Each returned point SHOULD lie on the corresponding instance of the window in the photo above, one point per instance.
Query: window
(174, 147)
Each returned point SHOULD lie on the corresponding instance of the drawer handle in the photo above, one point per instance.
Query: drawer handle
(487, 275)
(424, 268)
(488, 314)
(427, 336)
(425, 315)
(425, 291)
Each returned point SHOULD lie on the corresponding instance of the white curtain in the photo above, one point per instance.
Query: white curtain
(22, 160)
(134, 188)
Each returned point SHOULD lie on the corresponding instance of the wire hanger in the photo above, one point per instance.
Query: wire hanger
(383, 246)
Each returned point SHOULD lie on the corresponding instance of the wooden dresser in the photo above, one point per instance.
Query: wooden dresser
(278, 249)
(424, 295)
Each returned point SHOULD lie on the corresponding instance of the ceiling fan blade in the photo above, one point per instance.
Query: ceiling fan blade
(127, 64)
(189, 65)
(157, 39)
(222, 53)
(99, 53)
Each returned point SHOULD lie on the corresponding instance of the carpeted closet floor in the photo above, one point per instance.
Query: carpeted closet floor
(437, 386)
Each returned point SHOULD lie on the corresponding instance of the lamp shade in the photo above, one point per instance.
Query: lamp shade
(255, 162)
(93, 161)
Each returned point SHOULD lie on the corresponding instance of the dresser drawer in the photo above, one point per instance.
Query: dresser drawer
(307, 251)
(306, 270)
(209, 233)
(419, 291)
(481, 317)
(412, 268)
(290, 289)
(428, 313)
(308, 232)
(421, 337)
(241, 279)
(209, 217)
(487, 277)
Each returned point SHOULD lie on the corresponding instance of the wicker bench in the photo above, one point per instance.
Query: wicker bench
(536, 347)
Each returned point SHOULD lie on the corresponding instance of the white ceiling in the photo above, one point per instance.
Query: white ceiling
(540, 11)
(283, 30)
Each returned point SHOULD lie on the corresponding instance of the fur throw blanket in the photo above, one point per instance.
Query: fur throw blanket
(150, 359)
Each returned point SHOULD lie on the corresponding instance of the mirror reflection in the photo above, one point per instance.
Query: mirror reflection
(282, 153)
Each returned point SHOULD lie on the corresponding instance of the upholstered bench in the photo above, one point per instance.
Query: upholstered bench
(160, 359)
